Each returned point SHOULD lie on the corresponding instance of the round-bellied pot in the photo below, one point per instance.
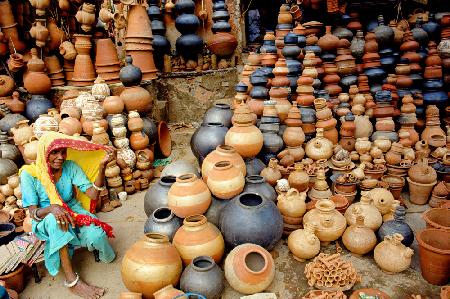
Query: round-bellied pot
(198, 237)
(151, 264)
(243, 219)
(206, 138)
(245, 138)
(391, 255)
(398, 225)
(188, 196)
(156, 195)
(163, 221)
(219, 113)
(222, 153)
(372, 216)
(303, 243)
(204, 277)
(225, 180)
(215, 210)
(358, 238)
(257, 184)
(434, 255)
(249, 269)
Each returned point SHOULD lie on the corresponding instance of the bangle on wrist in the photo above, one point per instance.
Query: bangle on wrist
(98, 188)
(35, 215)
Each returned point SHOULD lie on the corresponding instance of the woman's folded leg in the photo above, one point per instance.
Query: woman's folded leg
(93, 237)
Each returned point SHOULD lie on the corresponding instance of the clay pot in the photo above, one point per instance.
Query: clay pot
(299, 179)
(156, 196)
(222, 153)
(249, 269)
(35, 80)
(139, 141)
(328, 42)
(437, 218)
(188, 196)
(391, 255)
(7, 85)
(137, 98)
(86, 16)
(203, 276)
(219, 113)
(225, 180)
(419, 193)
(222, 44)
(369, 292)
(198, 237)
(113, 105)
(303, 243)
(372, 217)
(271, 173)
(40, 6)
(70, 126)
(168, 292)
(319, 147)
(292, 204)
(40, 33)
(422, 173)
(257, 184)
(150, 264)
(358, 238)
(22, 132)
(434, 255)
(330, 223)
(397, 225)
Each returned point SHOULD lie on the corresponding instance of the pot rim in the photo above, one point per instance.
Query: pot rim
(203, 258)
(165, 219)
(420, 184)
(223, 165)
(429, 247)
(222, 106)
(226, 149)
(156, 238)
(434, 224)
(249, 205)
(260, 253)
(255, 179)
(167, 180)
(186, 178)
(195, 220)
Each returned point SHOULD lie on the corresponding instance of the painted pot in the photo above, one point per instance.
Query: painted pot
(225, 180)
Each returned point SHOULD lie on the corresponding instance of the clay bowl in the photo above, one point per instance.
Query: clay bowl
(369, 183)
(393, 181)
(341, 202)
(6, 233)
(437, 218)
(369, 292)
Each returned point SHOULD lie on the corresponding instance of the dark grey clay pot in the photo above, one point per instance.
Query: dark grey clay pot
(156, 195)
(215, 210)
(254, 166)
(399, 226)
(245, 219)
(163, 221)
(219, 113)
(203, 277)
(257, 184)
(206, 138)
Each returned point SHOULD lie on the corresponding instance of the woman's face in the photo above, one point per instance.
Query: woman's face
(57, 158)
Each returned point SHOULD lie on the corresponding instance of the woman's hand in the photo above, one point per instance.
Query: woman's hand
(110, 155)
(63, 217)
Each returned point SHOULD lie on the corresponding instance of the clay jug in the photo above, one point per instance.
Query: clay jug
(225, 180)
(303, 243)
(372, 217)
(299, 179)
(151, 264)
(328, 42)
(271, 173)
(86, 16)
(358, 238)
(222, 153)
(292, 204)
(319, 147)
(22, 132)
(391, 255)
(188, 196)
(198, 237)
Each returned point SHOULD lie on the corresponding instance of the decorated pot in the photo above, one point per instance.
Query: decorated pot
(225, 180)
(372, 217)
(391, 255)
(303, 243)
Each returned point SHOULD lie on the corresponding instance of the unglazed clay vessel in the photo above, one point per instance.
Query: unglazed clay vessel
(249, 269)
(358, 238)
(319, 147)
(292, 204)
(225, 180)
(391, 255)
(303, 243)
(365, 208)
(222, 153)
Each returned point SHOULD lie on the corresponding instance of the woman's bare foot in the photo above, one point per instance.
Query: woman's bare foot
(86, 291)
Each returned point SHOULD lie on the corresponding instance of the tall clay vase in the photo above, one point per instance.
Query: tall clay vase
(188, 196)
(434, 255)
(249, 269)
(198, 237)
(151, 264)
(204, 277)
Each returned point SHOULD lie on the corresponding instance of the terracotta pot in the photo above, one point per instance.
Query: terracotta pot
(164, 143)
(7, 85)
(198, 237)
(106, 54)
(434, 255)
(245, 138)
(299, 179)
(84, 72)
(437, 218)
(138, 24)
(271, 173)
(222, 44)
(150, 264)
(225, 180)
(113, 105)
(319, 147)
(70, 126)
(139, 140)
(303, 243)
(222, 153)
(249, 269)
(189, 196)
(391, 255)
(372, 217)
(67, 50)
(168, 292)
(86, 16)
(292, 204)
(358, 238)
(15, 280)
(136, 98)
(419, 193)
(328, 42)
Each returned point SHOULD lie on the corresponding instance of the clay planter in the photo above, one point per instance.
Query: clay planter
(419, 193)
(438, 218)
(15, 280)
(434, 255)
(198, 237)
(151, 264)
(225, 180)
(249, 269)
(222, 153)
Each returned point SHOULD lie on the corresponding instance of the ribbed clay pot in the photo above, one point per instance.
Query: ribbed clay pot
(198, 237)
(434, 255)
(225, 180)
(203, 276)
(151, 264)
(222, 153)
(163, 221)
(243, 219)
(249, 269)
(188, 196)
(156, 195)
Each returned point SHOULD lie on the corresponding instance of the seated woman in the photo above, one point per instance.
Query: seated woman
(48, 190)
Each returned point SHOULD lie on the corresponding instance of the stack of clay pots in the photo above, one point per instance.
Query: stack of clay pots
(280, 89)
(139, 40)
(54, 70)
(325, 120)
(160, 43)
(107, 64)
(84, 71)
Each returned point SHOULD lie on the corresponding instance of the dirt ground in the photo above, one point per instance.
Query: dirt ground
(290, 282)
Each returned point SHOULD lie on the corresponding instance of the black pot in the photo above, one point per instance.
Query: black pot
(254, 166)
(219, 113)
(257, 184)
(187, 23)
(206, 138)
(432, 28)
(272, 143)
(268, 46)
(437, 97)
(375, 74)
(315, 48)
(150, 129)
(38, 105)
(241, 87)
(219, 4)
(221, 26)
(130, 75)
(185, 6)
(301, 41)
(308, 115)
(259, 92)
(215, 210)
(156, 195)
(397, 226)
(189, 45)
(245, 219)
(220, 15)
(163, 221)
(349, 80)
(161, 45)
(258, 79)
(153, 12)
(328, 57)
(7, 233)
(158, 28)
(203, 276)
